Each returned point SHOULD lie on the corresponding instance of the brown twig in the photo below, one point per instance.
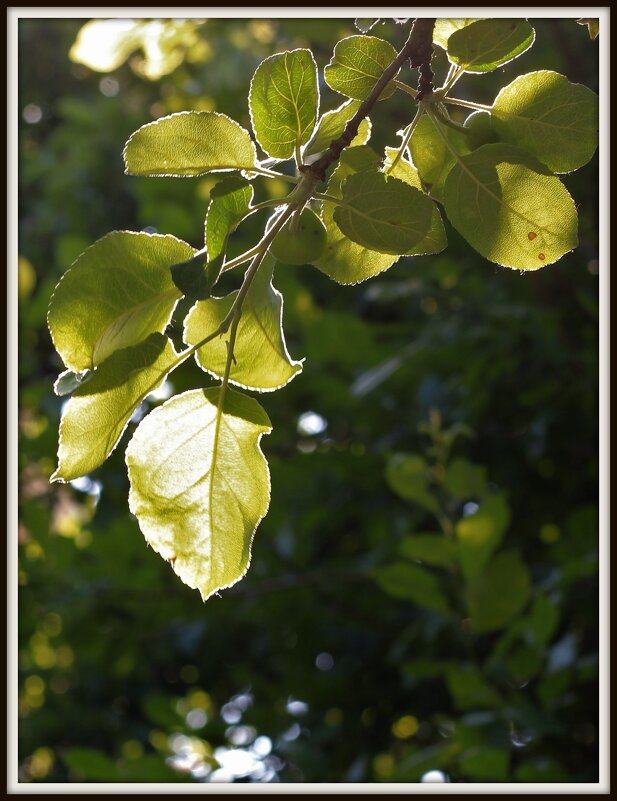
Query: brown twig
(418, 49)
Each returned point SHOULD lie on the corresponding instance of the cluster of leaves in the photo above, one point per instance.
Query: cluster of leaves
(115, 679)
(199, 482)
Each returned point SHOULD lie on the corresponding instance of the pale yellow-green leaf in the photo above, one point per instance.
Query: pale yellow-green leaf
(97, 413)
(488, 44)
(331, 126)
(189, 143)
(555, 120)
(508, 211)
(445, 27)
(114, 295)
(200, 484)
(357, 64)
(284, 101)
(261, 360)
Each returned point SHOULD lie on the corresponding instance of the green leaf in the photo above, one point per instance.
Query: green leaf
(485, 763)
(593, 26)
(364, 24)
(470, 689)
(190, 277)
(542, 620)
(435, 240)
(91, 764)
(189, 143)
(408, 476)
(200, 484)
(480, 533)
(261, 358)
(118, 292)
(357, 64)
(68, 381)
(464, 479)
(498, 594)
(432, 156)
(510, 213)
(444, 28)
(384, 214)
(434, 549)
(412, 583)
(331, 126)
(284, 101)
(343, 260)
(488, 44)
(555, 120)
(230, 200)
(97, 414)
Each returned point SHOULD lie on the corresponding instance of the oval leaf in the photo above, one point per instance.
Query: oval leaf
(331, 126)
(509, 212)
(488, 44)
(357, 64)
(189, 143)
(382, 213)
(445, 27)
(200, 484)
(283, 102)
(545, 114)
(118, 292)
(343, 260)
(261, 359)
(95, 417)
(432, 156)
(499, 593)
(412, 583)
(435, 240)
(229, 203)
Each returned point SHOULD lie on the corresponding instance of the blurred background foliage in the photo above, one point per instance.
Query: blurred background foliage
(422, 602)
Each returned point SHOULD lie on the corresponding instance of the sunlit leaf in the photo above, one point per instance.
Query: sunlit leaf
(593, 26)
(364, 25)
(555, 120)
(343, 260)
(445, 27)
(284, 101)
(382, 213)
(331, 126)
(68, 381)
(190, 277)
(432, 157)
(499, 593)
(488, 44)
(200, 484)
(118, 292)
(357, 64)
(189, 143)
(435, 240)
(508, 210)
(95, 417)
(229, 203)
(261, 360)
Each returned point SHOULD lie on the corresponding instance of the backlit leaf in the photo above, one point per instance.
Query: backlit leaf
(488, 44)
(261, 358)
(95, 417)
(190, 277)
(384, 214)
(331, 126)
(435, 240)
(555, 120)
(343, 260)
(200, 484)
(364, 24)
(118, 292)
(357, 64)
(189, 143)
(68, 381)
(445, 27)
(508, 210)
(432, 157)
(284, 101)
(229, 203)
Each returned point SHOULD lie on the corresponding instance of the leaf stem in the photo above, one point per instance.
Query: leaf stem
(273, 174)
(410, 129)
(405, 88)
(467, 103)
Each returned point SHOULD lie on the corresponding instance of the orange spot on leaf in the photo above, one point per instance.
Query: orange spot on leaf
(531, 235)
(541, 256)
